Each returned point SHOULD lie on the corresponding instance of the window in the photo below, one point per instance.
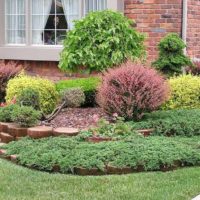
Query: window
(35, 29)
(94, 5)
(51, 19)
(15, 22)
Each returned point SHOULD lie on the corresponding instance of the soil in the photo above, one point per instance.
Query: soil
(81, 118)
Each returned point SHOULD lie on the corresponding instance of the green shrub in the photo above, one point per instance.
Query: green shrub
(29, 97)
(171, 57)
(88, 85)
(117, 130)
(25, 116)
(150, 153)
(185, 92)
(171, 123)
(102, 39)
(45, 88)
(74, 97)
(6, 113)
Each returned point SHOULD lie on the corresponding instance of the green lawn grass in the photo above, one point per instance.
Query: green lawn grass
(18, 183)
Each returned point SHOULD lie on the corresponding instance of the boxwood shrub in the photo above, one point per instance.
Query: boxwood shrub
(88, 85)
(185, 92)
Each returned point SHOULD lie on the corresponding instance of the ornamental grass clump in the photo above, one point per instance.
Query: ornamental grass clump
(101, 40)
(171, 56)
(131, 90)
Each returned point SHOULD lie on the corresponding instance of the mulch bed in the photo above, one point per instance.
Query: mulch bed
(81, 118)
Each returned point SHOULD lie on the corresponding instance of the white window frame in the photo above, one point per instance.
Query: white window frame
(36, 52)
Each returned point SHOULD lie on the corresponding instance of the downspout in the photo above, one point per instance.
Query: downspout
(184, 23)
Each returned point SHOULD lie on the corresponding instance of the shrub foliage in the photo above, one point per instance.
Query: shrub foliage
(171, 123)
(88, 85)
(6, 113)
(7, 72)
(131, 90)
(171, 57)
(149, 153)
(45, 88)
(29, 97)
(185, 92)
(101, 40)
(194, 70)
(74, 97)
(25, 116)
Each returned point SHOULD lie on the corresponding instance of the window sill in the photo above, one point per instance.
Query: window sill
(34, 53)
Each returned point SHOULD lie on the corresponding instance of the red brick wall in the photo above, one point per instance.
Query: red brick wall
(193, 31)
(156, 18)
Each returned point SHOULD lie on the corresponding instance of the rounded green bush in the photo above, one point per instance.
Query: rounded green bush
(6, 113)
(25, 116)
(29, 97)
(101, 40)
(47, 90)
(185, 92)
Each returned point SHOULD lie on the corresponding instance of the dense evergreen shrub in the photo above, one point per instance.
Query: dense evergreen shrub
(25, 116)
(6, 113)
(74, 97)
(131, 90)
(88, 85)
(45, 88)
(185, 92)
(29, 97)
(171, 123)
(99, 41)
(171, 57)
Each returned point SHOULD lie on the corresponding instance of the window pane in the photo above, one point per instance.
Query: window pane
(51, 19)
(15, 37)
(49, 37)
(61, 22)
(60, 36)
(15, 21)
(37, 37)
(95, 5)
(59, 7)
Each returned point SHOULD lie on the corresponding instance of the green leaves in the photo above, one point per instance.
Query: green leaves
(149, 153)
(171, 57)
(102, 40)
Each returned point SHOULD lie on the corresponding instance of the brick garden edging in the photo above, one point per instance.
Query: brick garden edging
(11, 132)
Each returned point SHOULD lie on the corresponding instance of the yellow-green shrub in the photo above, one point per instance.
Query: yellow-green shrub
(185, 92)
(46, 89)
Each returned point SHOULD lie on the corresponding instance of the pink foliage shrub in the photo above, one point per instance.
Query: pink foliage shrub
(7, 71)
(131, 90)
(194, 70)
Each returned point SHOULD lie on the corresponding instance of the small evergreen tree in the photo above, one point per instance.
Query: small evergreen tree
(171, 56)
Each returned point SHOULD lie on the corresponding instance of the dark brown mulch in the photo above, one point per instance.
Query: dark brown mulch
(81, 118)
